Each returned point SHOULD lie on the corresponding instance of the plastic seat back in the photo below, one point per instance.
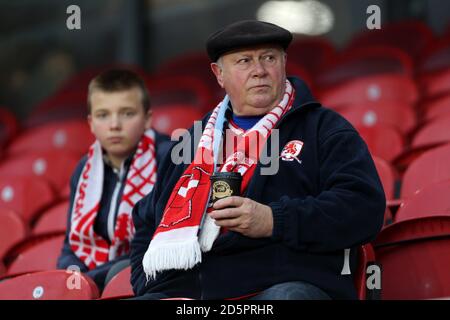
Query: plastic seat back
(52, 220)
(366, 255)
(387, 176)
(12, 230)
(168, 118)
(383, 141)
(70, 136)
(431, 200)
(119, 286)
(437, 108)
(429, 168)
(371, 89)
(433, 133)
(27, 196)
(54, 166)
(39, 256)
(408, 35)
(414, 258)
(399, 115)
(49, 285)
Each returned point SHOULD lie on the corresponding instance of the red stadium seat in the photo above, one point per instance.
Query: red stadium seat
(12, 230)
(8, 126)
(27, 196)
(375, 89)
(396, 114)
(387, 176)
(366, 255)
(2, 269)
(431, 167)
(194, 64)
(168, 118)
(436, 57)
(414, 258)
(49, 285)
(65, 193)
(70, 101)
(53, 220)
(311, 53)
(292, 69)
(365, 62)
(119, 287)
(70, 136)
(54, 166)
(383, 141)
(61, 107)
(435, 84)
(39, 256)
(437, 108)
(433, 133)
(431, 200)
(410, 36)
(179, 89)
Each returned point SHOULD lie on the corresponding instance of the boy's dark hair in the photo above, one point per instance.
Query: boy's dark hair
(115, 80)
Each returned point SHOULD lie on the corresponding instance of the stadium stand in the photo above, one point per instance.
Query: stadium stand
(392, 85)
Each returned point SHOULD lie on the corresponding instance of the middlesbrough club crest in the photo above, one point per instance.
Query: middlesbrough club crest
(292, 150)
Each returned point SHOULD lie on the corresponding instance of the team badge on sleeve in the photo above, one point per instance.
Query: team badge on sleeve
(292, 150)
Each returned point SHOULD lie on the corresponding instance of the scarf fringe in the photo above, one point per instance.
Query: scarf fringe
(171, 255)
(208, 234)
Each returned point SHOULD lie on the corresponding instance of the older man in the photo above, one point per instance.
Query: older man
(291, 234)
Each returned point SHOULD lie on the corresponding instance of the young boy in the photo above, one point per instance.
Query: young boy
(120, 169)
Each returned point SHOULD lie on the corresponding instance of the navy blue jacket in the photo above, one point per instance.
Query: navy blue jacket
(67, 257)
(331, 201)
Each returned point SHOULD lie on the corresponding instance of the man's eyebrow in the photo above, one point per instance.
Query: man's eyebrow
(127, 108)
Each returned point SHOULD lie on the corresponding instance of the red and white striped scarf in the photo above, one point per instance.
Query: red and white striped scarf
(91, 248)
(177, 242)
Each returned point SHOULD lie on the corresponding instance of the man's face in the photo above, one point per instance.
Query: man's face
(254, 78)
(118, 121)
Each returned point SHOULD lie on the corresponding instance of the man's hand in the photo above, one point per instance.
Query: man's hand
(243, 215)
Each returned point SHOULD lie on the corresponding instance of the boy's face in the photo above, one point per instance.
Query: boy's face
(118, 121)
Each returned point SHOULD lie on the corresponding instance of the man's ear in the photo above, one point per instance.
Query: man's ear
(148, 119)
(218, 72)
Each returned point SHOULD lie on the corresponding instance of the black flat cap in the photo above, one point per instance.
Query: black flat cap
(243, 34)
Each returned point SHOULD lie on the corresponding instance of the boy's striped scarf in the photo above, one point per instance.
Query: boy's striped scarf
(88, 246)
